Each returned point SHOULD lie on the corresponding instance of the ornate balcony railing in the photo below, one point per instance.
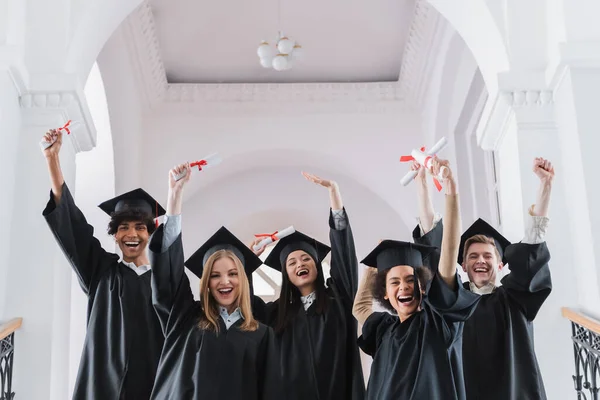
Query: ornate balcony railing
(7, 348)
(586, 348)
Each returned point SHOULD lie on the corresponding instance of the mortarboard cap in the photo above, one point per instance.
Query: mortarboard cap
(296, 241)
(223, 239)
(136, 200)
(480, 227)
(391, 253)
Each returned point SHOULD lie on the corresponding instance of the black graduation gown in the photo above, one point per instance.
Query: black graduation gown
(124, 339)
(198, 364)
(419, 358)
(498, 350)
(319, 357)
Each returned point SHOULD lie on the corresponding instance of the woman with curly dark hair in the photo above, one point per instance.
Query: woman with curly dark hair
(416, 348)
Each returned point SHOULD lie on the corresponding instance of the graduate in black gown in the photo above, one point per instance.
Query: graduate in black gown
(498, 348)
(123, 340)
(214, 348)
(416, 348)
(315, 330)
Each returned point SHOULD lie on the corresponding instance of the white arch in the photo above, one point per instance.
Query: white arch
(473, 20)
(93, 29)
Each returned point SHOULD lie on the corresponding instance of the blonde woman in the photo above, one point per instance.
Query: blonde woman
(214, 348)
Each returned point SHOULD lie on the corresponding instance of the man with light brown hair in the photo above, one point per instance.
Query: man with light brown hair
(498, 352)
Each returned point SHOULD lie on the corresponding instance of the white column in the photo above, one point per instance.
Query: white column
(578, 122)
(38, 274)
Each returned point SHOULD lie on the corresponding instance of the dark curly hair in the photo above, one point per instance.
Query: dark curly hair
(423, 274)
(117, 218)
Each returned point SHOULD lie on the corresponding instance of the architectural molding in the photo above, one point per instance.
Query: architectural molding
(141, 34)
(532, 108)
(417, 60)
(45, 108)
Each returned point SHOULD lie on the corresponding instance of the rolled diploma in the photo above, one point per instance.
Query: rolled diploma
(211, 161)
(44, 145)
(439, 146)
(425, 160)
(280, 235)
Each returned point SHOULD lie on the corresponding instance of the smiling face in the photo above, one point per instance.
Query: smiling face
(224, 283)
(481, 263)
(301, 271)
(132, 238)
(400, 288)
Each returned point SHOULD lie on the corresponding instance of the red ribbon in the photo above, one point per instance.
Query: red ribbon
(437, 183)
(273, 235)
(65, 127)
(409, 158)
(199, 164)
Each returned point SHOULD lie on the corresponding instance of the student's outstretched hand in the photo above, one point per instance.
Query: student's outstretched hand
(543, 169)
(53, 150)
(319, 181)
(449, 182)
(174, 199)
(421, 172)
(177, 170)
(254, 243)
(334, 191)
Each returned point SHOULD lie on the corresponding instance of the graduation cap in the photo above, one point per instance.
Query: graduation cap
(390, 253)
(480, 227)
(223, 240)
(137, 200)
(296, 241)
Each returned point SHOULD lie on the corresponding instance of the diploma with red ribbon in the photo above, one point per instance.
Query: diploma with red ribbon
(272, 237)
(424, 158)
(206, 162)
(66, 127)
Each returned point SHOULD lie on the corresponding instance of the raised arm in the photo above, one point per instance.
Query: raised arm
(529, 282)
(171, 292)
(426, 211)
(69, 226)
(452, 227)
(363, 302)
(545, 172)
(53, 162)
(344, 264)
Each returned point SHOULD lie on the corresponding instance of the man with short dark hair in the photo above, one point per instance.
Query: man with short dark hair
(498, 352)
(124, 339)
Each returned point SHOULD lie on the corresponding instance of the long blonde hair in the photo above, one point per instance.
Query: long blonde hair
(210, 318)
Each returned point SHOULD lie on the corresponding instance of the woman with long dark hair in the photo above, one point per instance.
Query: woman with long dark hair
(214, 348)
(315, 331)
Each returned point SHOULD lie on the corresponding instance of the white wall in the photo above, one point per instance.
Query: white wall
(10, 120)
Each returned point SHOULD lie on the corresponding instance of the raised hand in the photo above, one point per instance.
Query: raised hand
(177, 170)
(53, 150)
(323, 182)
(422, 172)
(334, 191)
(543, 169)
(254, 243)
(436, 166)
(449, 183)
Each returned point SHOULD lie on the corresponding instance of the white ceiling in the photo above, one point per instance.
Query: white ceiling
(343, 40)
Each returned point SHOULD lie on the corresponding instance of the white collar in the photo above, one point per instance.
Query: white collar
(308, 300)
(142, 269)
(485, 289)
(236, 313)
